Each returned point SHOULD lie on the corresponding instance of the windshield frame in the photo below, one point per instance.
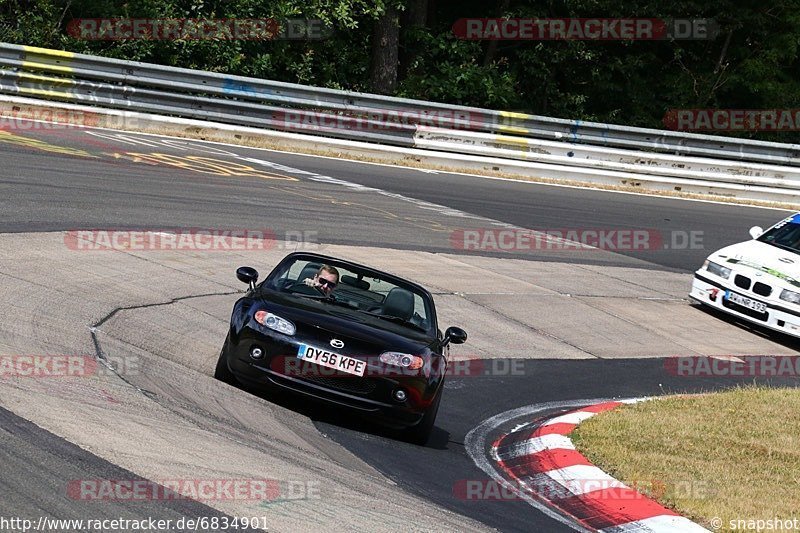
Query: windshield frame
(270, 283)
(769, 236)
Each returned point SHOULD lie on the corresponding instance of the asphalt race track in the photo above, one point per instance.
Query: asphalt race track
(54, 193)
(546, 325)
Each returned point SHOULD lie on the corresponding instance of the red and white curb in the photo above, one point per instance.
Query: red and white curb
(545, 469)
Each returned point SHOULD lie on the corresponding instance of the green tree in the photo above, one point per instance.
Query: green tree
(407, 48)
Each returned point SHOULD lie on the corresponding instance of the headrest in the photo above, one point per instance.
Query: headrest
(308, 271)
(399, 302)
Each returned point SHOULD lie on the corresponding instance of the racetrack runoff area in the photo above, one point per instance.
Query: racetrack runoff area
(164, 317)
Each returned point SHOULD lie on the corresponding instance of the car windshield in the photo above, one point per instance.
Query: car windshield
(365, 291)
(785, 235)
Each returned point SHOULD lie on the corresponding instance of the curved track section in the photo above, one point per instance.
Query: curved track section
(550, 326)
(538, 461)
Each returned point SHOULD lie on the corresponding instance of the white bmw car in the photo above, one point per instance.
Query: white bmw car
(756, 280)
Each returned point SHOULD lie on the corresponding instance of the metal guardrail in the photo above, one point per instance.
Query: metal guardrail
(334, 104)
(187, 105)
(148, 88)
(604, 158)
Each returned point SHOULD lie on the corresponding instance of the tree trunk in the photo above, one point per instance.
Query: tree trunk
(385, 43)
(414, 18)
(491, 49)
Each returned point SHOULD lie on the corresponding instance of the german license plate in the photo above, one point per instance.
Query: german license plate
(747, 302)
(328, 359)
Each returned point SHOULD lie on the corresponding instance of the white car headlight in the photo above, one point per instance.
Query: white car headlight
(281, 325)
(790, 296)
(717, 269)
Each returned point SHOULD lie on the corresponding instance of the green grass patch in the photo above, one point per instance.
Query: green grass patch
(733, 455)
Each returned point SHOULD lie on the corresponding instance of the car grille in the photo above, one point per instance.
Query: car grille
(762, 288)
(351, 384)
(743, 282)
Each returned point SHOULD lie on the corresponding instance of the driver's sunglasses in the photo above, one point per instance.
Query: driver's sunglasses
(329, 283)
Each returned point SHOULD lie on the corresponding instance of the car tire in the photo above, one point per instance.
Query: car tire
(222, 372)
(420, 433)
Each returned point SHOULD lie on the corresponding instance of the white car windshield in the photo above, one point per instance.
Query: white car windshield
(785, 235)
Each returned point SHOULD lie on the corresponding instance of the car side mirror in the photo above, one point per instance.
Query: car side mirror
(247, 275)
(455, 335)
(756, 231)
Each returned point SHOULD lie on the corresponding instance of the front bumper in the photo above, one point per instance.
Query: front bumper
(713, 293)
(370, 396)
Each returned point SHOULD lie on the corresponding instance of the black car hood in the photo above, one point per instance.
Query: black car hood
(320, 321)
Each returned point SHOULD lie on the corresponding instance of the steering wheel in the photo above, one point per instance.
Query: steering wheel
(309, 290)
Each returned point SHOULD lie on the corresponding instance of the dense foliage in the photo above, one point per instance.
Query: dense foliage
(752, 63)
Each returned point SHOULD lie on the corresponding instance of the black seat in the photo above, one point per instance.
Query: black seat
(309, 271)
(399, 302)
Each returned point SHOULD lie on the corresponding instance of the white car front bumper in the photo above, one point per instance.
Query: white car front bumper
(714, 293)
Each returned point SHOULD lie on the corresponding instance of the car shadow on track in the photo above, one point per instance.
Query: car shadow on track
(344, 418)
(777, 337)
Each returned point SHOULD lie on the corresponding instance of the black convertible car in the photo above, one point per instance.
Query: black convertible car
(348, 335)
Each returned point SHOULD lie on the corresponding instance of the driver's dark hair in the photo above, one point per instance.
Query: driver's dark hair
(329, 269)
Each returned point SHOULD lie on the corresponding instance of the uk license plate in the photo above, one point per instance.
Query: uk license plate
(333, 360)
(747, 302)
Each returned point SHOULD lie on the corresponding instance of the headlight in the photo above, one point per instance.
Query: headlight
(403, 360)
(281, 325)
(717, 269)
(790, 296)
